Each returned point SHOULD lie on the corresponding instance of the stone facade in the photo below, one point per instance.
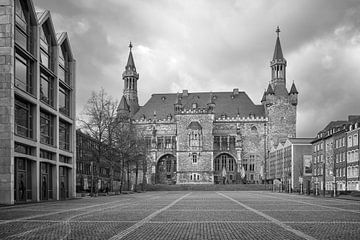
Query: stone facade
(212, 137)
(37, 107)
(6, 100)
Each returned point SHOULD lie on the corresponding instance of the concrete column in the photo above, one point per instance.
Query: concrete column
(6, 102)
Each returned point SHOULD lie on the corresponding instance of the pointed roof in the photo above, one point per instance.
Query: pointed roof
(270, 90)
(293, 89)
(130, 63)
(123, 105)
(278, 51)
(263, 99)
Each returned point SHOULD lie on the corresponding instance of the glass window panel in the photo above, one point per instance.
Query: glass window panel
(46, 128)
(21, 73)
(21, 38)
(20, 15)
(64, 136)
(44, 88)
(64, 101)
(62, 73)
(23, 119)
(44, 59)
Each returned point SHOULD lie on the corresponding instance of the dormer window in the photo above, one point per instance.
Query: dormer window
(194, 106)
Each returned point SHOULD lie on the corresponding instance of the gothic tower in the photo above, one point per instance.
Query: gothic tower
(280, 105)
(130, 77)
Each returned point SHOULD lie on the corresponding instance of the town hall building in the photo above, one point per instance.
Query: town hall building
(212, 137)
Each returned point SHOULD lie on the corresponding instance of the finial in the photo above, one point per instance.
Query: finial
(130, 46)
(277, 31)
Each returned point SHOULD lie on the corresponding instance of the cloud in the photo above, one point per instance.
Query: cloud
(217, 46)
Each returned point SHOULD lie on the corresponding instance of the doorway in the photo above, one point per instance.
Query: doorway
(23, 183)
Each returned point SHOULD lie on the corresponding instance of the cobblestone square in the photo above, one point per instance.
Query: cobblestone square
(185, 215)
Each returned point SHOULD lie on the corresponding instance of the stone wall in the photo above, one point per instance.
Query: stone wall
(282, 120)
(204, 165)
(6, 101)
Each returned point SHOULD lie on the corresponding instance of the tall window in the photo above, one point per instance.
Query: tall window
(350, 141)
(252, 163)
(22, 29)
(64, 100)
(23, 119)
(63, 65)
(194, 158)
(64, 135)
(46, 128)
(23, 76)
(224, 143)
(355, 140)
(224, 161)
(45, 48)
(216, 143)
(47, 89)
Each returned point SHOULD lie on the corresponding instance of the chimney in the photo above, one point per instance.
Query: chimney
(353, 118)
(236, 91)
(185, 93)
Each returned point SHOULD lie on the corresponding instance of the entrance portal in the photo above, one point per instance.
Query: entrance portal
(22, 186)
(225, 169)
(166, 170)
(46, 183)
(64, 182)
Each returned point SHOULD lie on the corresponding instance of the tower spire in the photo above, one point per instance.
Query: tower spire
(278, 51)
(130, 63)
(278, 67)
(130, 77)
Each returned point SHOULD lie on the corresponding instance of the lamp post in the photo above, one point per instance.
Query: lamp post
(92, 178)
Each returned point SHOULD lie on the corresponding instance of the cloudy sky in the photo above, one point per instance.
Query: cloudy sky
(218, 45)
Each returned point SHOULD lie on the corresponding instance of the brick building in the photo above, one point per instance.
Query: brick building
(352, 163)
(37, 107)
(336, 156)
(99, 174)
(212, 137)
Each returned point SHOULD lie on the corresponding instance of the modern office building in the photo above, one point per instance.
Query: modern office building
(37, 107)
(290, 164)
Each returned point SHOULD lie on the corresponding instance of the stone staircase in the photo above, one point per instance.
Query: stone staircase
(208, 187)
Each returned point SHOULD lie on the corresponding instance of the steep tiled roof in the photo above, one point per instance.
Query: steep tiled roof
(301, 140)
(226, 103)
(293, 89)
(333, 124)
(123, 105)
(278, 51)
(263, 99)
(270, 90)
(130, 62)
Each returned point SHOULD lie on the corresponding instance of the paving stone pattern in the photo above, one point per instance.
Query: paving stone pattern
(184, 215)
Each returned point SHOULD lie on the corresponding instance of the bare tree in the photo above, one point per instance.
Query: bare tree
(97, 121)
(119, 145)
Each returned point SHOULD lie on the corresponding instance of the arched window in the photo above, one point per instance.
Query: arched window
(253, 129)
(195, 134)
(224, 161)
